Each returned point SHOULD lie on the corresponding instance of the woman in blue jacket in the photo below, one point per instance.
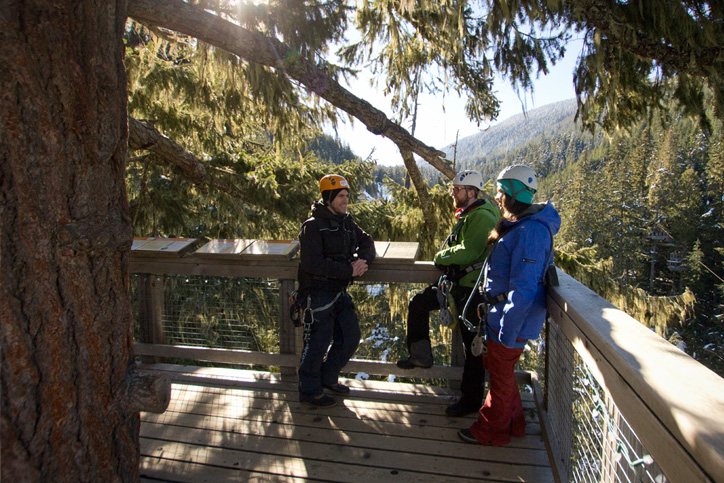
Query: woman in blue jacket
(521, 251)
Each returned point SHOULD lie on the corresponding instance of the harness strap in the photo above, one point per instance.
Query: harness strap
(494, 300)
(459, 274)
(308, 321)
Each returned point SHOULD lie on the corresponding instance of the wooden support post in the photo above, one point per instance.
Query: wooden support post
(546, 359)
(289, 335)
(150, 311)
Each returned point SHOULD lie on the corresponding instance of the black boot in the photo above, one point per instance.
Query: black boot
(463, 407)
(420, 356)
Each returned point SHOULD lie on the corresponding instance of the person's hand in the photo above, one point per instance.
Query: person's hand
(359, 267)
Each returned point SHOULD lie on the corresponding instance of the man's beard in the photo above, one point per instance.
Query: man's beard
(460, 204)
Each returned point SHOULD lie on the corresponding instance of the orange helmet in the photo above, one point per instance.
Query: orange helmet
(332, 182)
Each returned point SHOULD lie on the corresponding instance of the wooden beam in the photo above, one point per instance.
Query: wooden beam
(233, 356)
(383, 271)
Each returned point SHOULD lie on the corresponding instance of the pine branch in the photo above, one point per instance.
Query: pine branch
(143, 135)
(694, 58)
(254, 47)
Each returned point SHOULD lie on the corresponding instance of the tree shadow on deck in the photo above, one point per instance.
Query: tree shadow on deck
(259, 430)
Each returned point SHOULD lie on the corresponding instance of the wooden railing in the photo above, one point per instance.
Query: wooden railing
(153, 270)
(674, 404)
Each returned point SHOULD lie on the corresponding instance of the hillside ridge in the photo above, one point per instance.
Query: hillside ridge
(514, 132)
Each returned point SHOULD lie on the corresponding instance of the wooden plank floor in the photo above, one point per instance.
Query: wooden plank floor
(232, 425)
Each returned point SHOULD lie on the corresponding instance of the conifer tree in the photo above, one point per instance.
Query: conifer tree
(577, 205)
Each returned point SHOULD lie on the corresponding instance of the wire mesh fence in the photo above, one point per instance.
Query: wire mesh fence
(243, 313)
(591, 437)
(217, 312)
(382, 311)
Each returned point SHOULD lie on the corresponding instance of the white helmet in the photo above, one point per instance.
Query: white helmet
(521, 172)
(469, 177)
(522, 184)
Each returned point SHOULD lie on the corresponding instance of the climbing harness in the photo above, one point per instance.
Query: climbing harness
(301, 314)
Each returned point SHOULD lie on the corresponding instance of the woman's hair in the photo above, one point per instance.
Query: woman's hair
(511, 212)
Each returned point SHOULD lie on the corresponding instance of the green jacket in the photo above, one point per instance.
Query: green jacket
(466, 244)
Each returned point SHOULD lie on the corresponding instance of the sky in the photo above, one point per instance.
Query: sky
(441, 118)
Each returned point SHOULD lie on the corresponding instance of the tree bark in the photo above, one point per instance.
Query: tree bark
(188, 19)
(65, 244)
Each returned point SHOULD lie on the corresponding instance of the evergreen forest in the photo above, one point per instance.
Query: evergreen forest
(642, 215)
(642, 207)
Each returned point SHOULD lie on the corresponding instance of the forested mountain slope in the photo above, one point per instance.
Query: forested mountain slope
(549, 121)
(642, 210)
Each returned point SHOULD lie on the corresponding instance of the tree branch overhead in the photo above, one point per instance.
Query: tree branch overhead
(189, 19)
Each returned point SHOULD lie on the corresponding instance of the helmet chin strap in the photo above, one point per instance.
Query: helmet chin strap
(467, 198)
(514, 194)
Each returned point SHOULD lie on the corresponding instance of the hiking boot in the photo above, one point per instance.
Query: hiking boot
(337, 388)
(467, 436)
(462, 407)
(420, 356)
(323, 401)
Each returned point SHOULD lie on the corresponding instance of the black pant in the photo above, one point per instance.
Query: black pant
(472, 385)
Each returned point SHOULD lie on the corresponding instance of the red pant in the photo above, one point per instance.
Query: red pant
(502, 413)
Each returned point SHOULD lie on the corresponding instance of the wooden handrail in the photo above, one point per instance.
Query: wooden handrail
(380, 271)
(673, 403)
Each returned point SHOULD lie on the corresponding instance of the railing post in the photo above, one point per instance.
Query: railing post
(546, 360)
(289, 338)
(150, 311)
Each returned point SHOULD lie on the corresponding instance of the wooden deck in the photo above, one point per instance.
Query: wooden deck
(233, 425)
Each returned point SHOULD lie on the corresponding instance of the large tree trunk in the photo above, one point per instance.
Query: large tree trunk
(65, 243)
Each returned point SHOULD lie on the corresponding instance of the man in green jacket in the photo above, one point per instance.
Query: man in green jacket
(460, 259)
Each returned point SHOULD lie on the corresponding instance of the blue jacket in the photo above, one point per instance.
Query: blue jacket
(516, 267)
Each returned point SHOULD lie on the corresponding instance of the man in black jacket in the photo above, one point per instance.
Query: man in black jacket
(333, 250)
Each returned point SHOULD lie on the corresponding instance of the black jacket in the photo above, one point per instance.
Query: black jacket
(328, 245)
